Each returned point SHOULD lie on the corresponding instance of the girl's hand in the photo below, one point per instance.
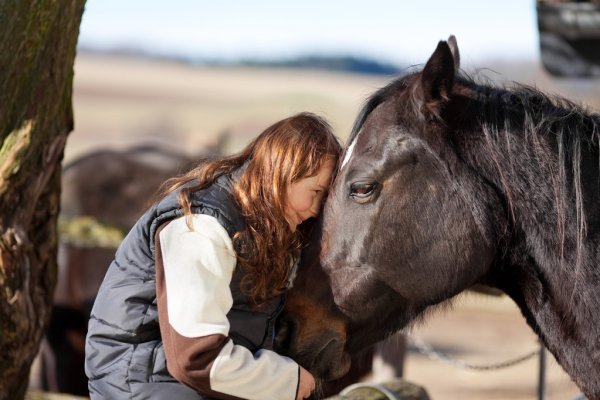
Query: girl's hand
(306, 384)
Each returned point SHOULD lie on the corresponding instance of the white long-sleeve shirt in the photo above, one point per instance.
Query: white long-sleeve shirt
(194, 270)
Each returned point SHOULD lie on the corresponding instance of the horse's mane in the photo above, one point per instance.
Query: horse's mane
(557, 132)
(545, 109)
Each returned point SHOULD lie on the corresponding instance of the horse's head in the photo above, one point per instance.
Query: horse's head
(446, 183)
(407, 223)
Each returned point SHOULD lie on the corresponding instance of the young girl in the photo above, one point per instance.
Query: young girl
(187, 308)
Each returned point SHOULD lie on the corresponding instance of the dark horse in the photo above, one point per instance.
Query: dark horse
(448, 183)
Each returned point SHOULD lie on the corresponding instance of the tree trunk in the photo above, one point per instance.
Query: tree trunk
(37, 50)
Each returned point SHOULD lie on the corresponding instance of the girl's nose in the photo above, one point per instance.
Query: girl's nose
(315, 207)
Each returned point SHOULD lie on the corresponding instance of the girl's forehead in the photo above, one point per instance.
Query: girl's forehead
(325, 172)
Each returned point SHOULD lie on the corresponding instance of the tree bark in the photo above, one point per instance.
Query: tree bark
(37, 50)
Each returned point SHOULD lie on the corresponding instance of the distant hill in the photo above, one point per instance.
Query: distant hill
(353, 64)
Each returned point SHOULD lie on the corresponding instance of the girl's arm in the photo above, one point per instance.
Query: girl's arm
(194, 270)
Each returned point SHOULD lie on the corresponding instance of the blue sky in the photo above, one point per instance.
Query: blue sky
(396, 31)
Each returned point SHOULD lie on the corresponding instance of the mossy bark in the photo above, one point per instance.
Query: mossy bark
(37, 50)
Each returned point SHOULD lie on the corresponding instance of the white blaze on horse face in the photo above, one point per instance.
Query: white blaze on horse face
(348, 153)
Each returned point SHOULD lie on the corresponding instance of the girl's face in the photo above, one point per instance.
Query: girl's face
(304, 197)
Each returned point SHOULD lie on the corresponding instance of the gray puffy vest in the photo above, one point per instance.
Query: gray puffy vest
(124, 353)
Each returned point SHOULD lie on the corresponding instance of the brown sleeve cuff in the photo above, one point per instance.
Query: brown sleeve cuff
(298, 384)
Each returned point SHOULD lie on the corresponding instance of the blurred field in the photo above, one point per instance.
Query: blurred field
(122, 102)
(119, 102)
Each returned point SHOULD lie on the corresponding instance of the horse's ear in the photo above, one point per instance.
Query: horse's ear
(437, 78)
(454, 50)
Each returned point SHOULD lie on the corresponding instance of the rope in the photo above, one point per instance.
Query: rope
(433, 354)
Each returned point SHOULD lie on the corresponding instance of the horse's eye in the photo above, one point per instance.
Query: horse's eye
(361, 192)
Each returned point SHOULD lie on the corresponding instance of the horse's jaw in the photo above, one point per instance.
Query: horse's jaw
(367, 333)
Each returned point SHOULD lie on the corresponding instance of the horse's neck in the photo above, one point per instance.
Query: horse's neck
(561, 308)
(544, 159)
(547, 173)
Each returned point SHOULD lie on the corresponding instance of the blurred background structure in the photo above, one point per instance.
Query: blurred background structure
(159, 84)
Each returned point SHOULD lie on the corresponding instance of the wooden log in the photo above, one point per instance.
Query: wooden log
(397, 389)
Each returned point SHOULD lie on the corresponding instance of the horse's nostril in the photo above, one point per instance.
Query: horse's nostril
(331, 361)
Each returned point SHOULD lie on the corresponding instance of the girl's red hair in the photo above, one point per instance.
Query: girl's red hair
(289, 150)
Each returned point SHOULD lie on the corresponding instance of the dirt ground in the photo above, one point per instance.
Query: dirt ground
(482, 331)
